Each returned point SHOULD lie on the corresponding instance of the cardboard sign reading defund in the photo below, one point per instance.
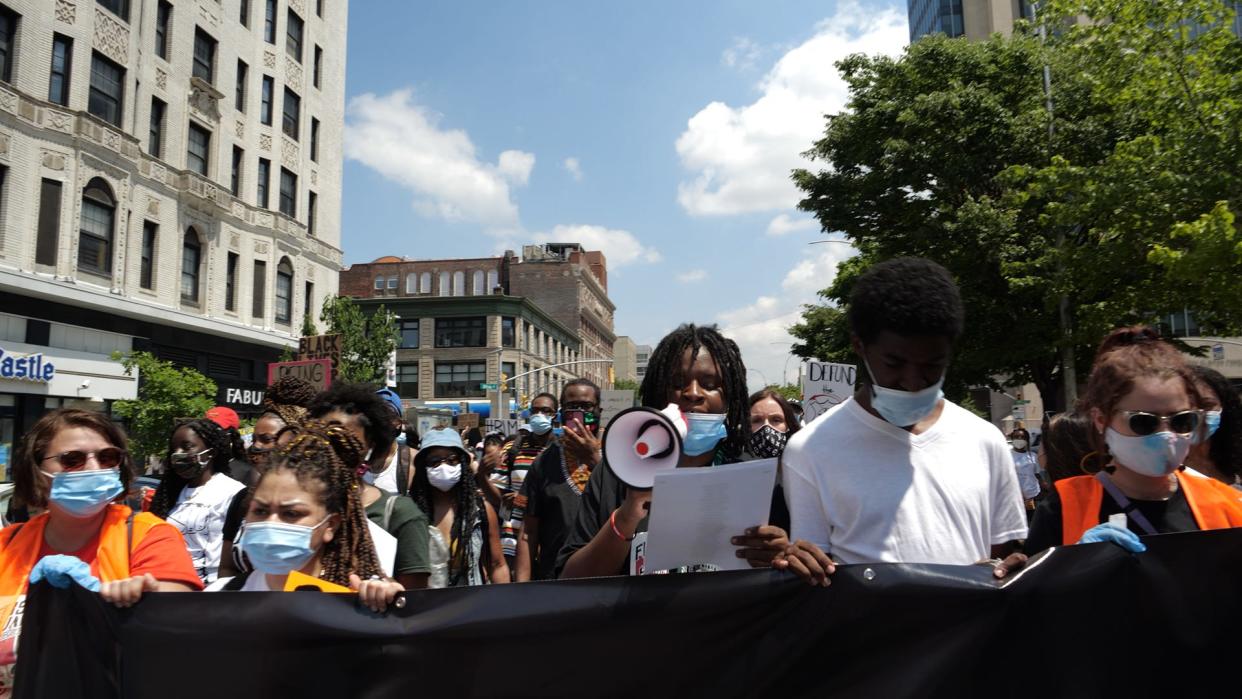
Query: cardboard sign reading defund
(825, 384)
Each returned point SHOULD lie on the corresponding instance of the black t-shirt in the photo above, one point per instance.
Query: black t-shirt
(551, 497)
(1167, 516)
(605, 493)
(236, 513)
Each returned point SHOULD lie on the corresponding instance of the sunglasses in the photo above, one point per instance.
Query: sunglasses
(1143, 424)
(109, 457)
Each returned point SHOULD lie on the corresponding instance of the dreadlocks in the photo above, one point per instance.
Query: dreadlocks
(468, 509)
(324, 454)
(665, 377)
(216, 438)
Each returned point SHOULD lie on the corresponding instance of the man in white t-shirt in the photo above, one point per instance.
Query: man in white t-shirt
(897, 473)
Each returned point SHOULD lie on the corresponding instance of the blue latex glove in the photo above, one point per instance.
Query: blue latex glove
(60, 571)
(1124, 538)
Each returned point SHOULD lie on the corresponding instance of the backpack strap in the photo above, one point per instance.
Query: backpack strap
(388, 506)
(403, 470)
(237, 583)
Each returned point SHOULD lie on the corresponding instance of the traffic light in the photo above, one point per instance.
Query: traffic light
(612, 376)
(504, 382)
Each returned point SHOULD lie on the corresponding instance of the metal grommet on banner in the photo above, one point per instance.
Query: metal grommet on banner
(399, 602)
(869, 574)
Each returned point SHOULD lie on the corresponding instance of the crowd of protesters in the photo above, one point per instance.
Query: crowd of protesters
(338, 487)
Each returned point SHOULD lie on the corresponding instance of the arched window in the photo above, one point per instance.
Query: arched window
(493, 281)
(424, 283)
(478, 284)
(459, 283)
(445, 289)
(191, 264)
(95, 233)
(411, 283)
(284, 291)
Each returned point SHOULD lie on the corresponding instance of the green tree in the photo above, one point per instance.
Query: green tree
(787, 391)
(165, 393)
(626, 385)
(367, 341)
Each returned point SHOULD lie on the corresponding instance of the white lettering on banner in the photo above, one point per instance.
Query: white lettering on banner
(825, 384)
(29, 367)
(243, 396)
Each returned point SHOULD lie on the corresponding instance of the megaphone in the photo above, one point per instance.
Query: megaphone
(641, 442)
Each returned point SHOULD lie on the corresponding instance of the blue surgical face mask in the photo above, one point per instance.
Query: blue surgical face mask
(276, 548)
(904, 408)
(1212, 417)
(703, 432)
(540, 423)
(84, 493)
(401, 438)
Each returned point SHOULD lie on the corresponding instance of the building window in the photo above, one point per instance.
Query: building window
(459, 283)
(204, 56)
(239, 96)
(409, 334)
(288, 193)
(235, 175)
(392, 284)
(314, 149)
(260, 289)
(269, 21)
(49, 223)
(379, 283)
(411, 283)
(308, 300)
(8, 34)
(244, 13)
(98, 217)
(319, 7)
(493, 281)
(107, 95)
(265, 104)
(230, 283)
(163, 15)
(317, 70)
(198, 149)
(460, 379)
(424, 283)
(293, 36)
(146, 273)
(120, 8)
(461, 332)
(62, 67)
(407, 380)
(291, 116)
(446, 289)
(191, 258)
(312, 209)
(477, 283)
(284, 292)
(508, 338)
(155, 134)
(264, 177)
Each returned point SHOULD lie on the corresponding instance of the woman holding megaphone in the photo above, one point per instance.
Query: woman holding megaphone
(701, 372)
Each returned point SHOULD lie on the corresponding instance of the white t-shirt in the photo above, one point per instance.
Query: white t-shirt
(256, 582)
(199, 515)
(867, 491)
(385, 480)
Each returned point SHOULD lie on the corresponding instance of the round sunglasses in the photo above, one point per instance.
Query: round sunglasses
(108, 457)
(1143, 424)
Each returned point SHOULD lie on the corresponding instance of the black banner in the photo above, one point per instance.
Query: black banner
(1083, 621)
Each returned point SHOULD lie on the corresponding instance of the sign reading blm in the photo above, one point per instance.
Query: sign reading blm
(321, 347)
(825, 384)
(317, 371)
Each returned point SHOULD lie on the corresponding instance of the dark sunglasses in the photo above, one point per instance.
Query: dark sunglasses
(1143, 424)
(109, 457)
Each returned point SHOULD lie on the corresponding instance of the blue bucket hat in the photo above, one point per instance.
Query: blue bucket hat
(441, 437)
(392, 399)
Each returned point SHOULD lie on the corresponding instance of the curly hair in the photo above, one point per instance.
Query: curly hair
(665, 377)
(1224, 447)
(372, 412)
(323, 454)
(216, 438)
(907, 296)
(467, 509)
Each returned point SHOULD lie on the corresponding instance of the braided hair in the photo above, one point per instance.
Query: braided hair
(324, 454)
(665, 377)
(215, 438)
(288, 398)
(468, 508)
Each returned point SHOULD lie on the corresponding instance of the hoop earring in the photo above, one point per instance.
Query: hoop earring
(1093, 458)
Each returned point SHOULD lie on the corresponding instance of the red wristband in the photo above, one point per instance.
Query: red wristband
(612, 520)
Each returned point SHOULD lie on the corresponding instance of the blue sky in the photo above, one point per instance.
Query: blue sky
(659, 132)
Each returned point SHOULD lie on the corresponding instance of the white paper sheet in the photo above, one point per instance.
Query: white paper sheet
(696, 511)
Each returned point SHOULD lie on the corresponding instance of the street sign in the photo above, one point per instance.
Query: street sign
(1022, 402)
(317, 371)
(489, 386)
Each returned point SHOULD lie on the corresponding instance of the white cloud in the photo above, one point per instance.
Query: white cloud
(742, 54)
(761, 329)
(784, 224)
(694, 275)
(620, 247)
(740, 157)
(574, 168)
(404, 142)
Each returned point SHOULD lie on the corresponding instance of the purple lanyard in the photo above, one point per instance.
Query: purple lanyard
(1130, 509)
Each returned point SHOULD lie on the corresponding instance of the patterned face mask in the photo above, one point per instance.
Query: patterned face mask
(767, 442)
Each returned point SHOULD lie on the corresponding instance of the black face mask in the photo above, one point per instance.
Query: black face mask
(767, 442)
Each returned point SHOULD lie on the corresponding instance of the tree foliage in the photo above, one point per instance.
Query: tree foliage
(1123, 201)
(367, 341)
(626, 385)
(788, 391)
(165, 393)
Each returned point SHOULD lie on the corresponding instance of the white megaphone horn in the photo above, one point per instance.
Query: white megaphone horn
(641, 442)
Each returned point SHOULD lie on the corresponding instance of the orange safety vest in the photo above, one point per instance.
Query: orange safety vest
(1213, 504)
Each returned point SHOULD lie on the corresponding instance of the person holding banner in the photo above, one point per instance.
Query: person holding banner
(1145, 407)
(897, 473)
(701, 371)
(306, 515)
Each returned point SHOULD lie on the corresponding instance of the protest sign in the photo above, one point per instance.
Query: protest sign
(825, 384)
(318, 372)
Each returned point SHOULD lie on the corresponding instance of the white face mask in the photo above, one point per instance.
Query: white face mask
(444, 476)
(1157, 454)
(1019, 444)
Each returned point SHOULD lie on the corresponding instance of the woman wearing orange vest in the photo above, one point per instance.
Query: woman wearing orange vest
(1146, 413)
